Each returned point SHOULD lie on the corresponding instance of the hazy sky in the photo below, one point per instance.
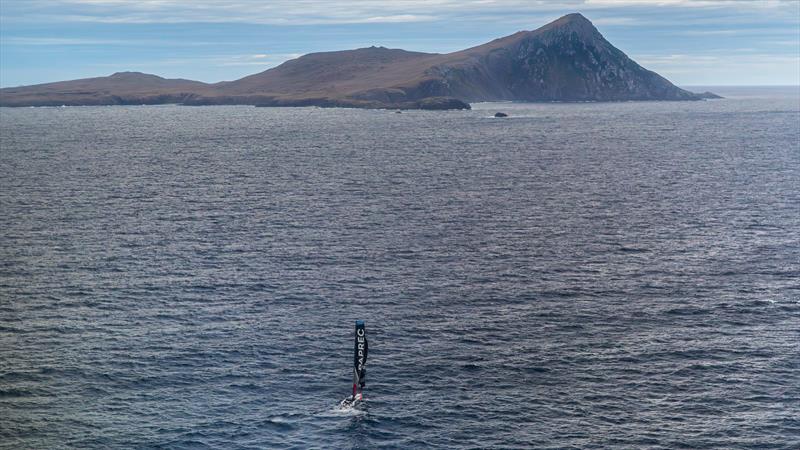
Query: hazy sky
(691, 42)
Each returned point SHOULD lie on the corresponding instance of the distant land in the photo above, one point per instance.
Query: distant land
(567, 60)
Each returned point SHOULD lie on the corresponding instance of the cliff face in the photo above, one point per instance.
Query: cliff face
(565, 60)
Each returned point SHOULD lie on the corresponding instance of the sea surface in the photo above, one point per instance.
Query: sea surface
(617, 275)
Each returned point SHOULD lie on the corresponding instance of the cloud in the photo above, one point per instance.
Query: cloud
(398, 18)
(612, 21)
(312, 12)
(16, 40)
(65, 41)
(691, 3)
(277, 12)
(264, 60)
(772, 31)
(261, 59)
(739, 57)
(735, 68)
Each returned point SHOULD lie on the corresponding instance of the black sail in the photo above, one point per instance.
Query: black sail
(361, 349)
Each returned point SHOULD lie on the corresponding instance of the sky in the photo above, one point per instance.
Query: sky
(691, 42)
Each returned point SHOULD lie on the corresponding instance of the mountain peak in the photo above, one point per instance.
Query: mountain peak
(572, 23)
(573, 17)
(133, 76)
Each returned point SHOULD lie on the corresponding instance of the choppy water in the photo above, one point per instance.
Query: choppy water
(589, 275)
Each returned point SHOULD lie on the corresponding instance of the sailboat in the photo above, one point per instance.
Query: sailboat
(360, 352)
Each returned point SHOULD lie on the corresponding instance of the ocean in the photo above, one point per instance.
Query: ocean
(594, 275)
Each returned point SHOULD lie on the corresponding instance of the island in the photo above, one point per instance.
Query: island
(567, 60)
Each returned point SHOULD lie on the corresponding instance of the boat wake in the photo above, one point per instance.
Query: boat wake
(352, 402)
(351, 406)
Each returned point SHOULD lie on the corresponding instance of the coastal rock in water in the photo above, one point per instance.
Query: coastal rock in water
(439, 103)
(500, 114)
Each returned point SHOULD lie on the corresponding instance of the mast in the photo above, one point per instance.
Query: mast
(360, 351)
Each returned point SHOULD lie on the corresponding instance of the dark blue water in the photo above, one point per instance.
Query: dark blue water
(578, 275)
